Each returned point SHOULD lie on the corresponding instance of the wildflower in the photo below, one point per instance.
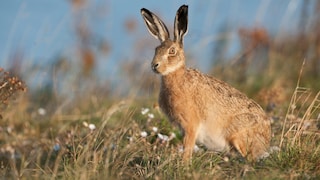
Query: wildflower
(42, 111)
(85, 124)
(130, 138)
(154, 129)
(274, 149)
(144, 134)
(9, 129)
(92, 127)
(150, 115)
(196, 148)
(172, 135)
(56, 147)
(264, 155)
(144, 111)
(226, 159)
(306, 125)
(163, 137)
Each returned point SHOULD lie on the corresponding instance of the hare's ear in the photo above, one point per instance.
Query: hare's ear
(155, 26)
(181, 24)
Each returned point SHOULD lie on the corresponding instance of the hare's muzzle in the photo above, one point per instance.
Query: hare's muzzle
(154, 67)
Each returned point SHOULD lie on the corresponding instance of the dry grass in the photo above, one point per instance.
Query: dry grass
(10, 85)
(126, 140)
(44, 135)
(302, 117)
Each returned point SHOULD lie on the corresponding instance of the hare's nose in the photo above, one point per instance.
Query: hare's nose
(155, 66)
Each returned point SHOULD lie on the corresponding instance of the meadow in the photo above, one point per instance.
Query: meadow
(129, 138)
(93, 131)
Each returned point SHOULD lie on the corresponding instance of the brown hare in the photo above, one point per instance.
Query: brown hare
(209, 111)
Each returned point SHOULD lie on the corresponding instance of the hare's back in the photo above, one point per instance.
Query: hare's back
(217, 94)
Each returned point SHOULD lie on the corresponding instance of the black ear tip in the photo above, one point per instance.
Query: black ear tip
(143, 10)
(184, 7)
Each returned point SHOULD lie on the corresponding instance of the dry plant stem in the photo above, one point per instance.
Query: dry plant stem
(56, 166)
(307, 115)
(291, 105)
(296, 126)
(300, 94)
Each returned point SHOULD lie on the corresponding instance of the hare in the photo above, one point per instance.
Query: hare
(208, 111)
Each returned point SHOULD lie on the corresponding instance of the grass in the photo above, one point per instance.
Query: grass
(45, 135)
(122, 141)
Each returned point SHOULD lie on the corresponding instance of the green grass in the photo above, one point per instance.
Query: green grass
(60, 145)
(64, 147)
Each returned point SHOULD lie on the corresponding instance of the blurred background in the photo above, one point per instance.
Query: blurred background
(68, 50)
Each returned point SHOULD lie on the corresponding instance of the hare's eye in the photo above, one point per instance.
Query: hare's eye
(172, 51)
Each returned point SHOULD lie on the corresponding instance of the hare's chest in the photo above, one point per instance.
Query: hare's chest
(174, 104)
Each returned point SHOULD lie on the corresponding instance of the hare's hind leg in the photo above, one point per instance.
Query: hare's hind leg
(251, 139)
(243, 143)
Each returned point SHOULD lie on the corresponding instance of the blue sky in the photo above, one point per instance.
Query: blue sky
(44, 29)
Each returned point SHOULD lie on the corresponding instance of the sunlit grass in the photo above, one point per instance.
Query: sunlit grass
(75, 128)
(131, 139)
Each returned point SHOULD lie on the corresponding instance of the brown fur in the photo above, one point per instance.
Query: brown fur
(208, 110)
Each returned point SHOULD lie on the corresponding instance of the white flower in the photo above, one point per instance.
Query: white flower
(306, 125)
(196, 148)
(150, 115)
(144, 134)
(42, 111)
(130, 138)
(264, 155)
(172, 135)
(154, 129)
(226, 159)
(144, 111)
(9, 129)
(85, 124)
(163, 137)
(274, 149)
(180, 149)
(92, 127)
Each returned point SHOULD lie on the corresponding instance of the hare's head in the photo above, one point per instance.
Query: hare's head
(169, 56)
